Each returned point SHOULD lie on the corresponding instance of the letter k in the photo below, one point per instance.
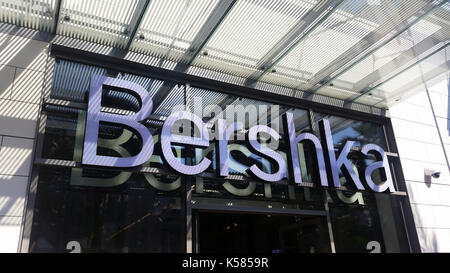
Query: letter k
(342, 160)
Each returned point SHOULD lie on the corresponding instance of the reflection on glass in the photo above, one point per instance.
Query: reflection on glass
(133, 217)
(71, 81)
(361, 132)
(261, 233)
(60, 132)
(272, 195)
(361, 222)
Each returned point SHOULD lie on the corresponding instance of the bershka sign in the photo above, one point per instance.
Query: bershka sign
(329, 163)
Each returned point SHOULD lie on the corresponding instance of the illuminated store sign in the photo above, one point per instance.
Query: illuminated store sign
(329, 164)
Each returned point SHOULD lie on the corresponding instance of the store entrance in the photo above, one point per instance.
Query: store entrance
(260, 233)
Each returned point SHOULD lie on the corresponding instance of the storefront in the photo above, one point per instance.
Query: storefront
(286, 204)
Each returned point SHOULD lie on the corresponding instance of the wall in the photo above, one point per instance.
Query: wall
(22, 65)
(421, 138)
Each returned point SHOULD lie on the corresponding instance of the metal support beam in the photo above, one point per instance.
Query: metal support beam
(209, 27)
(397, 23)
(326, 76)
(57, 13)
(136, 21)
(398, 73)
(312, 19)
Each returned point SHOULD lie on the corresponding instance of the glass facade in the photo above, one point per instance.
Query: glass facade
(151, 208)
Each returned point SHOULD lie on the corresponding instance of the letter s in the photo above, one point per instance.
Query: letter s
(260, 149)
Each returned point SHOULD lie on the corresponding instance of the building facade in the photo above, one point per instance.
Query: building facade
(52, 200)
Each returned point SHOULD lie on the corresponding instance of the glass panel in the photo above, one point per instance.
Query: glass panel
(366, 222)
(411, 45)
(175, 99)
(169, 27)
(60, 132)
(349, 31)
(239, 52)
(63, 138)
(71, 81)
(241, 157)
(361, 132)
(409, 82)
(254, 194)
(173, 30)
(132, 217)
(37, 15)
(100, 21)
(263, 233)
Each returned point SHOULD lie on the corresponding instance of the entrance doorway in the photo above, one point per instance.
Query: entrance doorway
(260, 233)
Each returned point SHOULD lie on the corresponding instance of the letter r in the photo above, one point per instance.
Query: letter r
(95, 116)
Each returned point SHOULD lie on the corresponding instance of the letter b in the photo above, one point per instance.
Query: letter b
(95, 116)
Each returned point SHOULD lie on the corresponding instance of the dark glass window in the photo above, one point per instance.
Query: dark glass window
(361, 132)
(366, 222)
(262, 233)
(131, 217)
(60, 132)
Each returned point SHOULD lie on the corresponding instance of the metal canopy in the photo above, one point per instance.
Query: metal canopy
(371, 52)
